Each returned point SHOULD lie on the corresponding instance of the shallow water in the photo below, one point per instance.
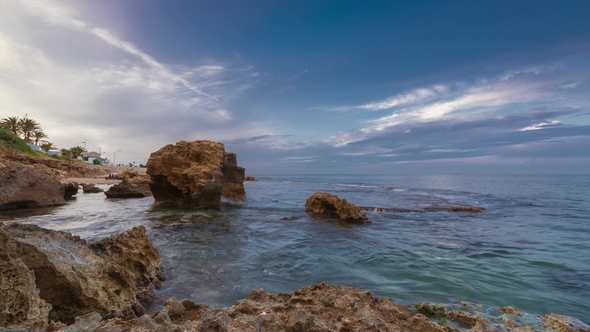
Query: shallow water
(529, 249)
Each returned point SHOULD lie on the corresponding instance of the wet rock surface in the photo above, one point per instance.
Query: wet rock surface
(195, 174)
(454, 208)
(332, 206)
(113, 277)
(126, 189)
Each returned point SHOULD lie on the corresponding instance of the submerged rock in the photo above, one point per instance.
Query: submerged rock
(125, 189)
(333, 206)
(111, 277)
(195, 174)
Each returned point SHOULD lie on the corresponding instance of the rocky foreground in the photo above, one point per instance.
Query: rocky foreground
(53, 281)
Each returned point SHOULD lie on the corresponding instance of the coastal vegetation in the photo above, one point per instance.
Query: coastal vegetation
(16, 133)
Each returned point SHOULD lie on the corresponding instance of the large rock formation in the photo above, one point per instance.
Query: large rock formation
(20, 304)
(125, 189)
(195, 174)
(90, 188)
(112, 276)
(133, 176)
(32, 186)
(332, 206)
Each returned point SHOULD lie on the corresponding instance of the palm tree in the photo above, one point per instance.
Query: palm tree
(47, 146)
(39, 135)
(11, 123)
(28, 127)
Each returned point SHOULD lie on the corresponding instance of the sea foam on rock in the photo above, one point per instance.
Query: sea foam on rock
(195, 174)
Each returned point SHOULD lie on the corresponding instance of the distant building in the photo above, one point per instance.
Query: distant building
(93, 158)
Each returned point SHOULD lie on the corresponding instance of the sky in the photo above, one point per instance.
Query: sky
(349, 87)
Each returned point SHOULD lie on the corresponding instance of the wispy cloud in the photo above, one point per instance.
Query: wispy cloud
(110, 83)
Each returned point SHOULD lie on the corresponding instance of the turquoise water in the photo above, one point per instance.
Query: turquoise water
(529, 249)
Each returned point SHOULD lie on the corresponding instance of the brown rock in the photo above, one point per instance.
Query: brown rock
(512, 311)
(20, 304)
(557, 322)
(77, 278)
(91, 188)
(333, 206)
(133, 176)
(125, 189)
(466, 319)
(249, 178)
(28, 186)
(195, 174)
(70, 169)
(517, 327)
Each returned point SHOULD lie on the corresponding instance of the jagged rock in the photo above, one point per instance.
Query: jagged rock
(466, 319)
(20, 304)
(233, 178)
(125, 189)
(557, 322)
(29, 186)
(133, 176)
(333, 206)
(512, 311)
(90, 188)
(70, 188)
(86, 323)
(77, 278)
(195, 174)
(249, 178)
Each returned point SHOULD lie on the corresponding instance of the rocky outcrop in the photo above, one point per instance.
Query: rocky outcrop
(195, 174)
(125, 189)
(332, 206)
(557, 322)
(90, 188)
(134, 177)
(31, 186)
(111, 277)
(71, 169)
(250, 178)
(314, 308)
(20, 304)
(452, 208)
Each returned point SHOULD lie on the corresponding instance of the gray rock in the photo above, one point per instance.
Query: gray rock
(87, 323)
(174, 307)
(147, 322)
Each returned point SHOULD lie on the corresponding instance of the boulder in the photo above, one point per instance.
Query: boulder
(90, 188)
(125, 189)
(29, 186)
(110, 277)
(195, 174)
(20, 304)
(250, 178)
(332, 206)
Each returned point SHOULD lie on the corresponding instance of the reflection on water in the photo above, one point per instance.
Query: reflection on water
(529, 248)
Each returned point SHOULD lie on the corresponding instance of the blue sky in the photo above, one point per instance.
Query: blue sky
(309, 86)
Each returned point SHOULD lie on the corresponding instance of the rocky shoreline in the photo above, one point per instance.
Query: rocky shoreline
(53, 281)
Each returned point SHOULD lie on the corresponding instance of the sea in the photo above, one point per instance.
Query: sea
(529, 249)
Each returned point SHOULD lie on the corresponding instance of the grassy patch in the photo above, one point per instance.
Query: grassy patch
(10, 141)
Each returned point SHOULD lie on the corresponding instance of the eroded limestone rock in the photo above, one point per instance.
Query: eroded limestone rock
(333, 206)
(195, 174)
(77, 278)
(125, 189)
